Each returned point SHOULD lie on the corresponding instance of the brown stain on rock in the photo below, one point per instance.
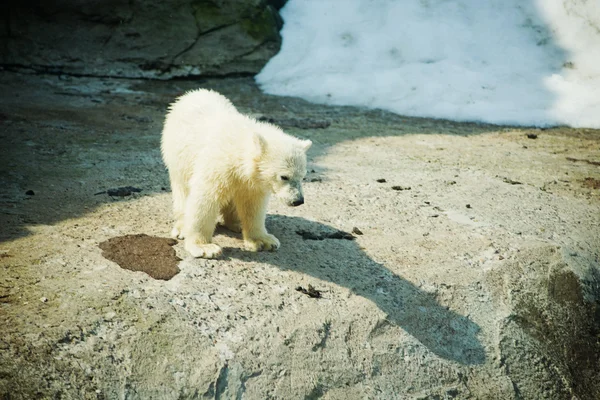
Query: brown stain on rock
(150, 254)
(591, 183)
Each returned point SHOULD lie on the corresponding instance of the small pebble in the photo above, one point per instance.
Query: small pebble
(179, 302)
(44, 299)
(109, 316)
(381, 180)
(468, 206)
(30, 193)
(356, 231)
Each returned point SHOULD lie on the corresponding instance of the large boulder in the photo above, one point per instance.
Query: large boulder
(151, 39)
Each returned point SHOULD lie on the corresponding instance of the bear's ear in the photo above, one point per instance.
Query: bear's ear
(305, 144)
(260, 144)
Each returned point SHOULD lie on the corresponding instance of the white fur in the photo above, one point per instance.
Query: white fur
(223, 163)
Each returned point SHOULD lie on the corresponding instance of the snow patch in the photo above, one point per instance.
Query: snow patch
(510, 62)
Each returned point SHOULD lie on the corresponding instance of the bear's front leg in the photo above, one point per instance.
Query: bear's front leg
(253, 212)
(200, 218)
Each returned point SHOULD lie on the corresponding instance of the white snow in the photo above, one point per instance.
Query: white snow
(517, 62)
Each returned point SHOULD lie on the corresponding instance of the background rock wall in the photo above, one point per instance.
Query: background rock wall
(131, 38)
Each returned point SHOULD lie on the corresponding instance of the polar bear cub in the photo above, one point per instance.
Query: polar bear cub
(225, 165)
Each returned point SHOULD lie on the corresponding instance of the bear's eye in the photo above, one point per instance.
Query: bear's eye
(285, 178)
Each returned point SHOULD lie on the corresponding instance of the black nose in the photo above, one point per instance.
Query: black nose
(298, 202)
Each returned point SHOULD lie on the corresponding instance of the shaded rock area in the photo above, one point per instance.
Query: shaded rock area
(480, 282)
(151, 39)
(152, 255)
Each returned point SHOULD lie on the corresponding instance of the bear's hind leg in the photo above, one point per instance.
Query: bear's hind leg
(179, 194)
(231, 220)
(200, 218)
(253, 214)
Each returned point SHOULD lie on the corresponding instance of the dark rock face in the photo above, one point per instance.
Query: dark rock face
(153, 38)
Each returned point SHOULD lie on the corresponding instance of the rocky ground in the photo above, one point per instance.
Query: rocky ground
(472, 271)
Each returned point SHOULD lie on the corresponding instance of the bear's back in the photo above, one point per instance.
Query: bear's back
(204, 125)
(197, 113)
(202, 102)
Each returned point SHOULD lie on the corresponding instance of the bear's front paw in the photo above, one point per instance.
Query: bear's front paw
(268, 243)
(176, 234)
(209, 250)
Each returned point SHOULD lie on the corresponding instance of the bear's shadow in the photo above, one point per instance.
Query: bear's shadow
(444, 332)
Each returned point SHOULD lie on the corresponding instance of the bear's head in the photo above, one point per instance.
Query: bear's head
(281, 165)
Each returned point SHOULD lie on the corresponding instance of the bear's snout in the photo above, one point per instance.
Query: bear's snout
(298, 202)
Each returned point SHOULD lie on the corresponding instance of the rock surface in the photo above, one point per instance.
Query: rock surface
(478, 281)
(151, 39)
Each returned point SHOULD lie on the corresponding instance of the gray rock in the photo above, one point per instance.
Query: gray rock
(151, 39)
